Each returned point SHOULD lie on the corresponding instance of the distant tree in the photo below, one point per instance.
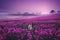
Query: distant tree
(26, 13)
(58, 12)
(18, 13)
(52, 11)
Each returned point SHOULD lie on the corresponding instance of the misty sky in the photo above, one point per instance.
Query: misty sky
(31, 6)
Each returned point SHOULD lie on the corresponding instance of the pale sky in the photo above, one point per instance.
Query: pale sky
(35, 6)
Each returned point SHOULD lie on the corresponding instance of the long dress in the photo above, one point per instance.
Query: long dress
(30, 27)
